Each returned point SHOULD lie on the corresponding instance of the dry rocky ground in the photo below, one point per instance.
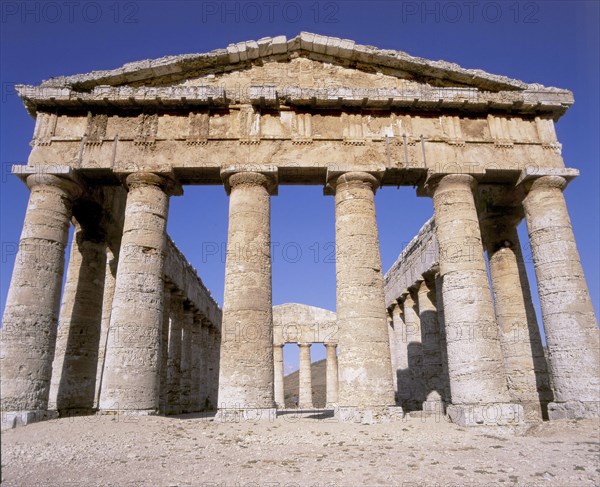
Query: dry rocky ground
(289, 451)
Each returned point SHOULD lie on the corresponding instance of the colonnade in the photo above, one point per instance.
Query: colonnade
(483, 357)
(481, 369)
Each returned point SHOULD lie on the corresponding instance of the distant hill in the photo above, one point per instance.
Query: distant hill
(318, 375)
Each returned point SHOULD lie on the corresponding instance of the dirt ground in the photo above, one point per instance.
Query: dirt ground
(292, 451)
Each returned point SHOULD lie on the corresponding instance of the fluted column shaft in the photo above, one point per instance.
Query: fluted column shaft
(568, 315)
(430, 338)
(278, 375)
(401, 359)
(246, 365)
(31, 313)
(305, 378)
(132, 376)
(75, 363)
(475, 362)
(331, 375)
(364, 353)
(524, 361)
(205, 354)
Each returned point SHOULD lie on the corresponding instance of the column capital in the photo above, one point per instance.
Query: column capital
(330, 345)
(545, 182)
(352, 178)
(546, 176)
(437, 180)
(251, 176)
(69, 186)
(303, 344)
(165, 182)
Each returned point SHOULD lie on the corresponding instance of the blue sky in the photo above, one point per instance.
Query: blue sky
(553, 43)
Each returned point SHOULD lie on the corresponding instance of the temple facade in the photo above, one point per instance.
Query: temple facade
(139, 332)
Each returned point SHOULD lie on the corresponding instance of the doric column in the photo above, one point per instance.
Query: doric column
(109, 291)
(331, 376)
(186, 358)
(174, 359)
(393, 353)
(567, 312)
(278, 376)
(432, 354)
(205, 354)
(439, 304)
(364, 358)
(131, 372)
(214, 360)
(401, 359)
(246, 366)
(524, 361)
(197, 361)
(163, 400)
(475, 364)
(73, 386)
(410, 376)
(305, 378)
(31, 313)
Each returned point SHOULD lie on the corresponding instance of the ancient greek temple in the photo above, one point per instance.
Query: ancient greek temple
(135, 331)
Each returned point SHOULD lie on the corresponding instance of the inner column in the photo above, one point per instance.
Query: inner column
(304, 378)
(246, 362)
(365, 383)
(475, 364)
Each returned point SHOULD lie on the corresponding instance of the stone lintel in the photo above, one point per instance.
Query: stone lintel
(268, 170)
(530, 173)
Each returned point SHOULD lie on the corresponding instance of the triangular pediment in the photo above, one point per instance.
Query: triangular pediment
(307, 71)
(330, 50)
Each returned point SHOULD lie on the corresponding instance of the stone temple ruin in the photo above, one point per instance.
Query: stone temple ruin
(140, 334)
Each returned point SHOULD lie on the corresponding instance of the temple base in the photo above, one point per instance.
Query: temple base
(12, 419)
(495, 414)
(573, 410)
(239, 415)
(368, 415)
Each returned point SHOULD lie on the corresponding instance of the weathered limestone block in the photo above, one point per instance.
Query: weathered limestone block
(475, 363)
(331, 376)
(278, 375)
(73, 385)
(569, 320)
(175, 348)
(432, 354)
(411, 385)
(186, 359)
(131, 381)
(364, 359)
(31, 314)
(304, 378)
(524, 361)
(246, 363)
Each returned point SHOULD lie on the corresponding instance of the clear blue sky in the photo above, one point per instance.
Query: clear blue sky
(553, 43)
